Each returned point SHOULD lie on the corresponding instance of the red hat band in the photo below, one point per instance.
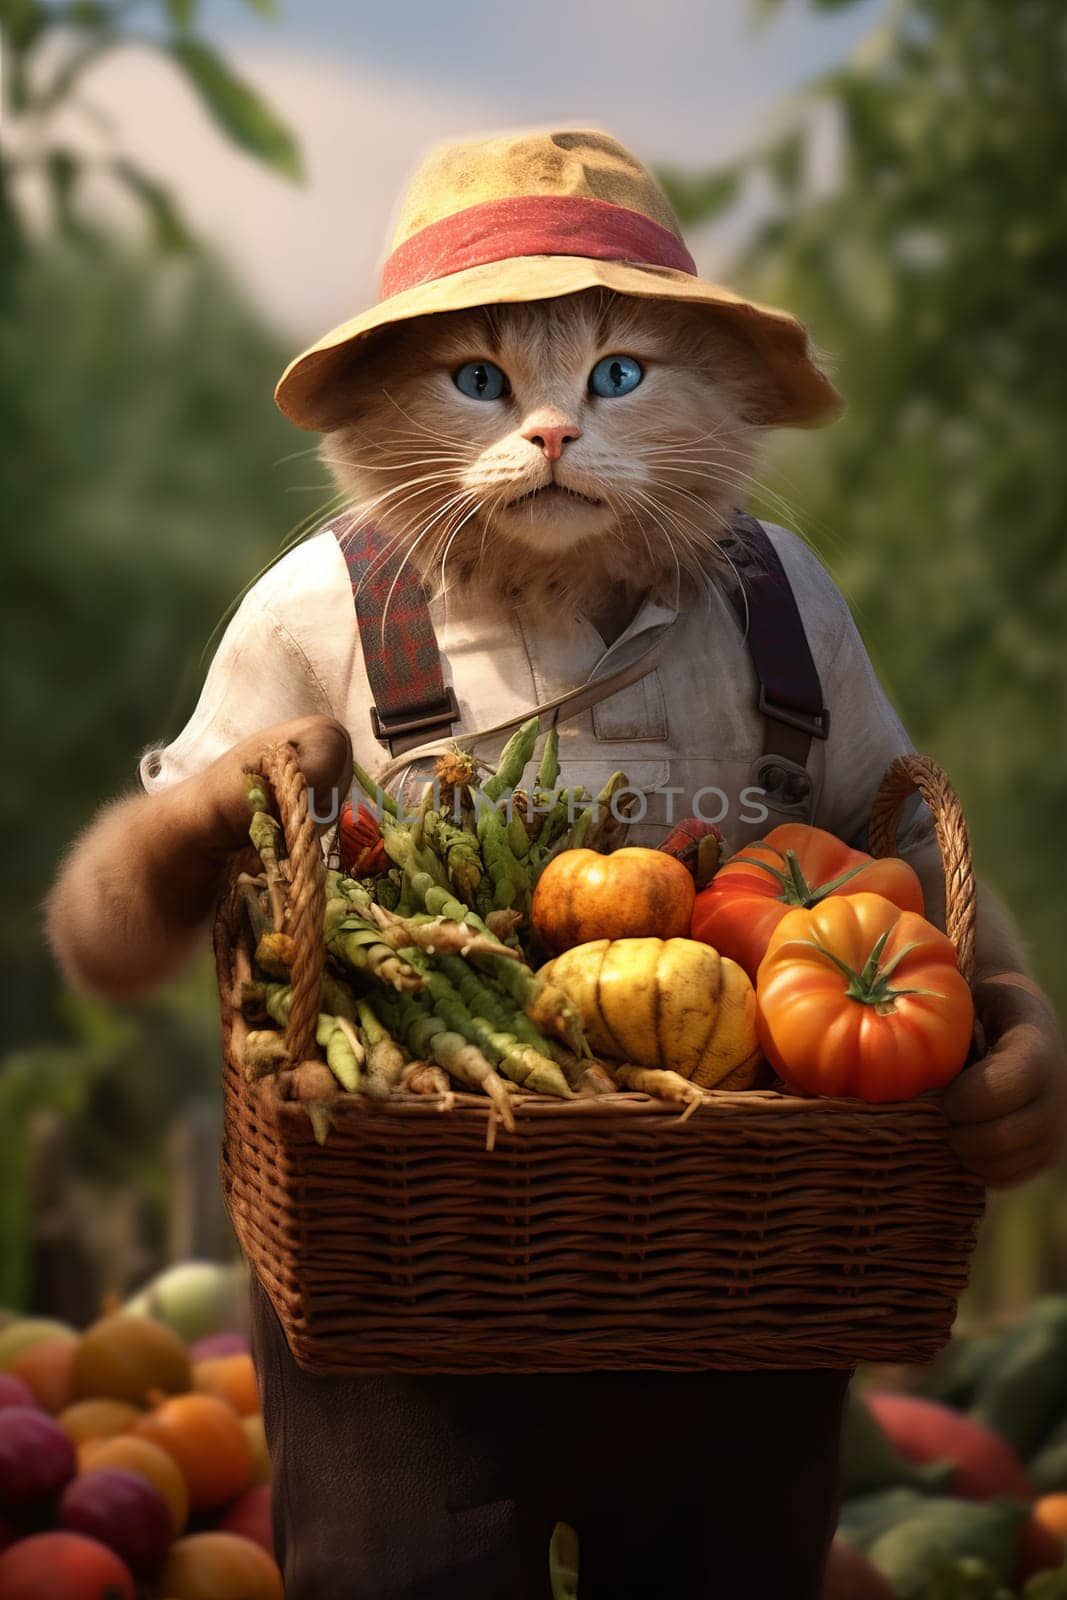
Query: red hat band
(532, 225)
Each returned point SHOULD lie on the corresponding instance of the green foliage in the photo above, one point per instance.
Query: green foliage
(40, 83)
(146, 476)
(119, 1076)
(236, 107)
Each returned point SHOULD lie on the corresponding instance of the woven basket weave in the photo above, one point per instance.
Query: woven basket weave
(764, 1231)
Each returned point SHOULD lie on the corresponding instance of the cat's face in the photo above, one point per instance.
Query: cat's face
(566, 440)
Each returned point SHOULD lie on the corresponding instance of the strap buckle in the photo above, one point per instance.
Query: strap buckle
(387, 727)
(814, 723)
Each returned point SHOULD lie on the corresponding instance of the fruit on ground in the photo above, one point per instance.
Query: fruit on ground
(194, 1298)
(250, 1517)
(218, 1344)
(795, 865)
(63, 1566)
(1039, 1549)
(206, 1439)
(126, 1358)
(630, 894)
(47, 1370)
(850, 1576)
(36, 1459)
(154, 1465)
(13, 1392)
(123, 1511)
(984, 1465)
(229, 1378)
(257, 1444)
(219, 1566)
(664, 1003)
(861, 999)
(98, 1419)
(1051, 1512)
(25, 1332)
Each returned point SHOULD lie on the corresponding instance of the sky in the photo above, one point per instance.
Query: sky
(369, 88)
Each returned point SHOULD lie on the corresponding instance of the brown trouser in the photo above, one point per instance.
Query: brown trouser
(687, 1485)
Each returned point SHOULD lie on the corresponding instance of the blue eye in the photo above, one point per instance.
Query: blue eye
(481, 380)
(615, 375)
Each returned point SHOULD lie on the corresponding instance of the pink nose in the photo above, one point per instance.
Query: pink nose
(551, 436)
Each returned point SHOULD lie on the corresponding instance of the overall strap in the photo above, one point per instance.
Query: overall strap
(790, 694)
(412, 705)
(411, 702)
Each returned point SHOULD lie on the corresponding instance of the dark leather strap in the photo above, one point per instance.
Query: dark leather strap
(790, 694)
(411, 702)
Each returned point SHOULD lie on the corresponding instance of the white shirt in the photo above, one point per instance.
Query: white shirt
(689, 728)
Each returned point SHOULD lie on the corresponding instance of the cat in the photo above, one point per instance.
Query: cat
(625, 495)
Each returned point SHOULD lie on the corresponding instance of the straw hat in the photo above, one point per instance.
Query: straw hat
(526, 216)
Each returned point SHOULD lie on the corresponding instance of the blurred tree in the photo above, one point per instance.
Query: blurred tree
(146, 475)
(913, 210)
(50, 49)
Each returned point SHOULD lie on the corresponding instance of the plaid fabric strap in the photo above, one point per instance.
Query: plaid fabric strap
(411, 702)
(412, 705)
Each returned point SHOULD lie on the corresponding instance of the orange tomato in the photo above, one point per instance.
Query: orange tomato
(793, 866)
(858, 998)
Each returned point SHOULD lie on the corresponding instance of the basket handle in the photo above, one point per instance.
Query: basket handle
(305, 897)
(903, 777)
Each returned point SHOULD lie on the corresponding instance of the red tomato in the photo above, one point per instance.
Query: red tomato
(856, 997)
(359, 842)
(793, 866)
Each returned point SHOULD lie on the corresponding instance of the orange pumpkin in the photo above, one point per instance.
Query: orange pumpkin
(633, 893)
(206, 1439)
(219, 1566)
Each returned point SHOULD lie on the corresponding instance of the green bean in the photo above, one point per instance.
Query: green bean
(513, 758)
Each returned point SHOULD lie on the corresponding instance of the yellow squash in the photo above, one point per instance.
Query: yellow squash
(664, 1003)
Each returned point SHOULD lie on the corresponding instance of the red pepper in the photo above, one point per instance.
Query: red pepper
(359, 841)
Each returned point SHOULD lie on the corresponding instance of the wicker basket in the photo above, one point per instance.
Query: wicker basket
(765, 1231)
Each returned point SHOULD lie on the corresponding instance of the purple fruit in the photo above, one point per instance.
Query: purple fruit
(13, 1392)
(36, 1458)
(122, 1510)
(216, 1345)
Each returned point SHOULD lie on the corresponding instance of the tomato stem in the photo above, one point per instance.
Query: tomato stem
(796, 890)
(871, 987)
